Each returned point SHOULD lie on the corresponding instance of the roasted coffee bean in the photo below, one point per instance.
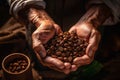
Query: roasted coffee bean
(66, 47)
(66, 44)
(58, 53)
(17, 65)
(54, 56)
(63, 54)
(60, 49)
(60, 58)
(65, 59)
(70, 58)
(67, 53)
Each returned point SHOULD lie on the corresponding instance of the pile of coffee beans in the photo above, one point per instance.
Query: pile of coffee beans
(66, 46)
(17, 65)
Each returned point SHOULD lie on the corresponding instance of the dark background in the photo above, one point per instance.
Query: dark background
(108, 53)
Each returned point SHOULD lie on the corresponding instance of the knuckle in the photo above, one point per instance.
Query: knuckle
(35, 35)
(96, 32)
(89, 61)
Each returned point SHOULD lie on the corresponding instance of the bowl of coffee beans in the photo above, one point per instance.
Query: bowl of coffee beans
(66, 46)
(17, 66)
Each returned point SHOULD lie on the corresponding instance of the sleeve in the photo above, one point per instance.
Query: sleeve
(114, 5)
(17, 5)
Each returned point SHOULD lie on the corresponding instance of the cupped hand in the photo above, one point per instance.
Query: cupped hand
(41, 36)
(88, 32)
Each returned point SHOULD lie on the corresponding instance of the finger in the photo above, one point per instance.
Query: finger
(38, 47)
(73, 67)
(46, 32)
(55, 68)
(54, 61)
(67, 65)
(46, 25)
(93, 43)
(66, 71)
(72, 30)
(84, 31)
(58, 29)
(45, 36)
(84, 60)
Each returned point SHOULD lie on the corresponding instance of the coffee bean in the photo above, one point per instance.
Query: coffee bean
(17, 65)
(66, 46)
(65, 59)
(70, 58)
(60, 58)
(60, 49)
(58, 53)
(54, 56)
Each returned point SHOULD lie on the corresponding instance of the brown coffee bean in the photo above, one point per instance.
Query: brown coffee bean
(65, 59)
(22, 67)
(74, 53)
(16, 65)
(60, 58)
(58, 40)
(54, 56)
(60, 48)
(66, 46)
(70, 58)
(67, 53)
(74, 44)
(57, 44)
(58, 53)
(65, 49)
(18, 68)
(63, 55)
(70, 43)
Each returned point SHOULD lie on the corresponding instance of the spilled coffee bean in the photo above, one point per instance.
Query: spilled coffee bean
(66, 46)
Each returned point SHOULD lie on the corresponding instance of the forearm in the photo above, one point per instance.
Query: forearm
(36, 16)
(96, 15)
(18, 7)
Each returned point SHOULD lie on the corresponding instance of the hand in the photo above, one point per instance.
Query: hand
(46, 28)
(41, 36)
(86, 28)
(87, 32)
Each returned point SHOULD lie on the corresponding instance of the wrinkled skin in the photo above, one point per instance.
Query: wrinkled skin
(87, 32)
(41, 36)
(46, 29)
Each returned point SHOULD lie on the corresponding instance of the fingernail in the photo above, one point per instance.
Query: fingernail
(73, 68)
(67, 71)
(61, 67)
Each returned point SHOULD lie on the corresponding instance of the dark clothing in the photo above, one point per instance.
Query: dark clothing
(66, 12)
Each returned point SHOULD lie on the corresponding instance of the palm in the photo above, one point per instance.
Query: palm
(41, 36)
(89, 33)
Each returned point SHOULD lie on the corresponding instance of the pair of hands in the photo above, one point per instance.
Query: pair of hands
(46, 31)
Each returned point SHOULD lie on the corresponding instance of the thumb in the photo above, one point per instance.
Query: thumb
(38, 47)
(72, 30)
